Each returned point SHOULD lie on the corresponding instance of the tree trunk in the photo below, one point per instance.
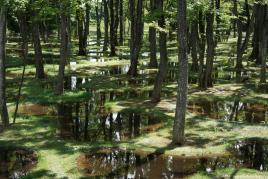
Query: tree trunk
(81, 33)
(40, 74)
(136, 18)
(152, 38)
(24, 32)
(112, 28)
(98, 16)
(121, 22)
(218, 21)
(194, 43)
(163, 55)
(64, 50)
(202, 46)
(263, 43)
(256, 35)
(179, 121)
(24, 48)
(241, 44)
(210, 47)
(3, 106)
(106, 25)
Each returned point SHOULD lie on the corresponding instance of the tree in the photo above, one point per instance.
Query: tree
(112, 28)
(40, 74)
(152, 37)
(136, 19)
(106, 25)
(263, 42)
(163, 54)
(64, 48)
(179, 121)
(241, 44)
(3, 106)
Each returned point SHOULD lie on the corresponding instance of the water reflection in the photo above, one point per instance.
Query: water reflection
(15, 162)
(231, 110)
(88, 121)
(252, 154)
(119, 163)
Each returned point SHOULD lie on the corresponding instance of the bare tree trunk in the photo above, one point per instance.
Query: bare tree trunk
(24, 32)
(106, 25)
(64, 50)
(3, 106)
(263, 43)
(40, 74)
(24, 48)
(210, 47)
(121, 22)
(179, 121)
(112, 28)
(152, 38)
(202, 46)
(136, 18)
(194, 44)
(163, 56)
(241, 45)
(98, 16)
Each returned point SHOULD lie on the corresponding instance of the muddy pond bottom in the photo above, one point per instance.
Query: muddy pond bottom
(120, 163)
(16, 162)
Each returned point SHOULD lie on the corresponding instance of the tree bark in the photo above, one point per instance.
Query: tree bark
(112, 28)
(152, 38)
(202, 46)
(263, 43)
(98, 16)
(3, 106)
(106, 25)
(210, 47)
(194, 44)
(136, 18)
(40, 74)
(163, 55)
(121, 22)
(179, 121)
(241, 44)
(64, 50)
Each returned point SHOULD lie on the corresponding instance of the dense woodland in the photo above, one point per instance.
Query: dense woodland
(133, 88)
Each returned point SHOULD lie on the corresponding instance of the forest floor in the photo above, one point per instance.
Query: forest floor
(206, 133)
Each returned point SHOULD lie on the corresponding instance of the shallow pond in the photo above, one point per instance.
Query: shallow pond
(16, 162)
(120, 163)
(230, 111)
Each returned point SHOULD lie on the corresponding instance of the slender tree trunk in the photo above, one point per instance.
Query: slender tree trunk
(163, 56)
(24, 32)
(241, 44)
(218, 21)
(40, 74)
(121, 22)
(256, 35)
(210, 47)
(112, 28)
(152, 38)
(263, 44)
(3, 106)
(202, 46)
(136, 18)
(98, 16)
(117, 20)
(81, 33)
(179, 121)
(64, 50)
(24, 48)
(106, 25)
(194, 44)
